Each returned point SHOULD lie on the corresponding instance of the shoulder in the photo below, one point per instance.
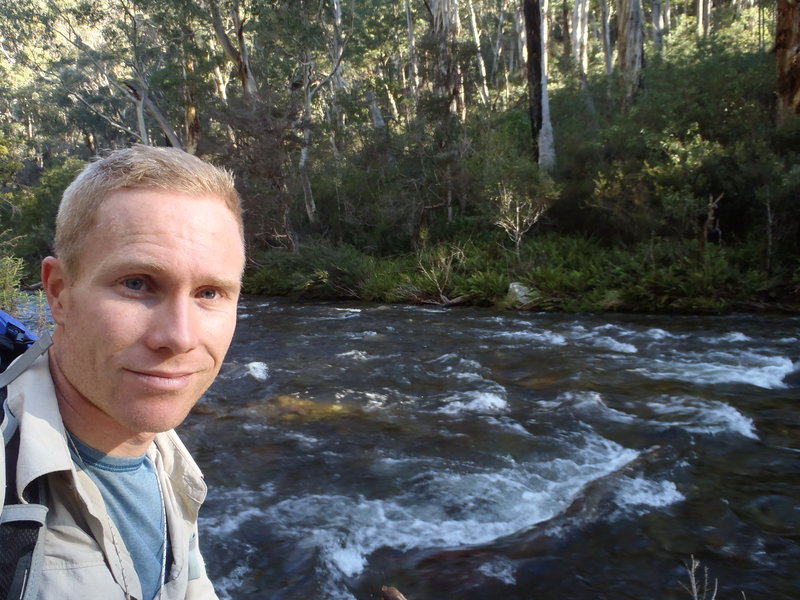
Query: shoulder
(171, 455)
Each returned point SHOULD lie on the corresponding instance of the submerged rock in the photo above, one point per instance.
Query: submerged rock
(289, 408)
(391, 593)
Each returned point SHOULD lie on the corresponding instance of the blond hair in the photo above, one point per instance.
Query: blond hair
(138, 167)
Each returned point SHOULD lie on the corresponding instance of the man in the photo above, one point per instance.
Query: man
(143, 290)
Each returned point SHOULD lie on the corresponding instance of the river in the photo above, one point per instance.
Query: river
(468, 453)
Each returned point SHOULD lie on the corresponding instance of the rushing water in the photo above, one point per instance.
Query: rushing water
(465, 453)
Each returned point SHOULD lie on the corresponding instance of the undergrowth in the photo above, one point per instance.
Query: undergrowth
(562, 273)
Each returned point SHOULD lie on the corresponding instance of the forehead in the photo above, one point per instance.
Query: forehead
(133, 223)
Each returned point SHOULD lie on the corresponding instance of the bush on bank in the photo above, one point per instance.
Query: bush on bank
(563, 273)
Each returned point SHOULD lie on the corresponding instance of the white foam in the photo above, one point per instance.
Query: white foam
(358, 355)
(703, 416)
(478, 402)
(614, 345)
(235, 578)
(730, 337)
(258, 370)
(746, 367)
(445, 508)
(548, 338)
(591, 403)
(500, 568)
(657, 334)
(641, 492)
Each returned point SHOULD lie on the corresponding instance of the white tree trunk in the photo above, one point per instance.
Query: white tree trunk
(476, 38)
(241, 57)
(608, 51)
(522, 39)
(413, 67)
(447, 27)
(547, 151)
(140, 122)
(580, 34)
(630, 48)
(658, 26)
(498, 41)
(545, 40)
(303, 165)
(374, 110)
(337, 48)
(703, 14)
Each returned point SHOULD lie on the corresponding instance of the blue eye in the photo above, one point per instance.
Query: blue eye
(208, 294)
(134, 283)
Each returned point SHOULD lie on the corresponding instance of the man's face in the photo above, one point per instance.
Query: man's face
(145, 323)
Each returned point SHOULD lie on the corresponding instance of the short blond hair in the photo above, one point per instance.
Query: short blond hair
(137, 167)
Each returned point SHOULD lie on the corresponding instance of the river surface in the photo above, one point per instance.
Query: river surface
(467, 453)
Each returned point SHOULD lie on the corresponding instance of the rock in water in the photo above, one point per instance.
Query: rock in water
(390, 593)
(519, 295)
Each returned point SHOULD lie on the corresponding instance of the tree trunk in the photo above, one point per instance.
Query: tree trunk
(703, 15)
(413, 67)
(191, 118)
(533, 37)
(608, 51)
(337, 48)
(378, 121)
(566, 36)
(498, 41)
(141, 125)
(787, 60)
(580, 35)
(476, 38)
(239, 57)
(630, 48)
(545, 7)
(447, 27)
(303, 165)
(521, 55)
(337, 85)
(547, 151)
(658, 25)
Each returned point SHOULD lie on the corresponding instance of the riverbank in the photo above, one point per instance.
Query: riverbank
(552, 273)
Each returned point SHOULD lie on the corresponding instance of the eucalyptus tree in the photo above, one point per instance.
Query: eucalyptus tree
(787, 55)
(630, 47)
(543, 151)
(106, 59)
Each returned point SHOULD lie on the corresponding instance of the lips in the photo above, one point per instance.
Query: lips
(165, 381)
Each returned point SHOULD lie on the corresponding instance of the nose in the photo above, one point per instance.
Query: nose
(174, 326)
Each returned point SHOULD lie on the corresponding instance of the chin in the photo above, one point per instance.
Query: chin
(156, 421)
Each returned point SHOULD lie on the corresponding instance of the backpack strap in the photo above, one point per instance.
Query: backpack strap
(22, 529)
(26, 359)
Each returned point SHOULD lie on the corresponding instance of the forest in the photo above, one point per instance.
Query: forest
(588, 155)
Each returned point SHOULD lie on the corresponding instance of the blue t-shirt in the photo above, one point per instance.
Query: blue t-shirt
(129, 487)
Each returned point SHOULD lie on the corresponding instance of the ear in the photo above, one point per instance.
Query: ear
(54, 283)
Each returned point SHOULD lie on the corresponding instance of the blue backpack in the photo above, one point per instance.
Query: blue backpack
(21, 523)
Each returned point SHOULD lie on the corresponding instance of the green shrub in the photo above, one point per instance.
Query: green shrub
(321, 271)
(10, 272)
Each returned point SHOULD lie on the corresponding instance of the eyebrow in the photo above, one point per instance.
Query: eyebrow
(146, 265)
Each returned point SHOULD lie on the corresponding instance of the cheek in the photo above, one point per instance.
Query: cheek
(103, 327)
(220, 337)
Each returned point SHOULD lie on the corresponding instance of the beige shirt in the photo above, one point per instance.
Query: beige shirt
(84, 556)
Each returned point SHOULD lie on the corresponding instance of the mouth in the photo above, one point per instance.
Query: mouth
(163, 381)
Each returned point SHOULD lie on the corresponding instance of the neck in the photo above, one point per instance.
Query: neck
(90, 424)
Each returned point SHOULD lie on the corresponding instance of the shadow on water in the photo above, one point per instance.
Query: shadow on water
(474, 454)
